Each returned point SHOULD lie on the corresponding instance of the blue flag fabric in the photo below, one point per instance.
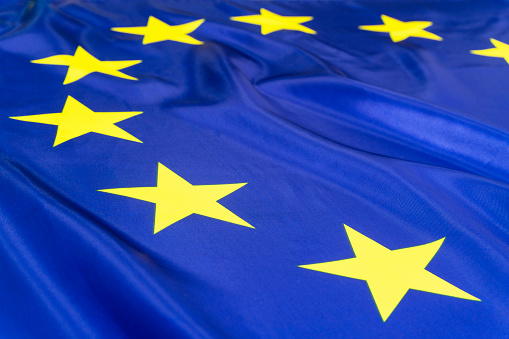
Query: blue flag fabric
(247, 169)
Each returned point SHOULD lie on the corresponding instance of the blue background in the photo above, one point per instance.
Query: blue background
(405, 142)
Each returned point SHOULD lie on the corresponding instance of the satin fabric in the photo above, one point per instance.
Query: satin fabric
(405, 142)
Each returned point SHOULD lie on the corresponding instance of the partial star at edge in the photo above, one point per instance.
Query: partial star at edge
(401, 30)
(390, 274)
(157, 30)
(83, 63)
(501, 50)
(176, 199)
(272, 22)
(77, 119)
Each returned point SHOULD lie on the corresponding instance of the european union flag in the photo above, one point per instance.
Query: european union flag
(254, 169)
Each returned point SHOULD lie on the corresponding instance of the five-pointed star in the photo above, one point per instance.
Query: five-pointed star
(271, 22)
(400, 30)
(83, 63)
(176, 199)
(501, 50)
(77, 119)
(157, 30)
(390, 274)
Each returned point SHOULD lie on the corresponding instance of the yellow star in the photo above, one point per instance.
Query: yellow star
(400, 30)
(501, 50)
(271, 22)
(390, 274)
(77, 119)
(83, 63)
(176, 199)
(157, 30)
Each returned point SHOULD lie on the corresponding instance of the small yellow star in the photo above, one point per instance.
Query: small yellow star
(390, 274)
(176, 199)
(83, 63)
(77, 119)
(501, 50)
(400, 30)
(271, 22)
(157, 30)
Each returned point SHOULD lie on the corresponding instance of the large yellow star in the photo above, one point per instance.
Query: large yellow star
(390, 274)
(77, 119)
(83, 63)
(157, 30)
(400, 30)
(501, 50)
(271, 22)
(176, 199)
